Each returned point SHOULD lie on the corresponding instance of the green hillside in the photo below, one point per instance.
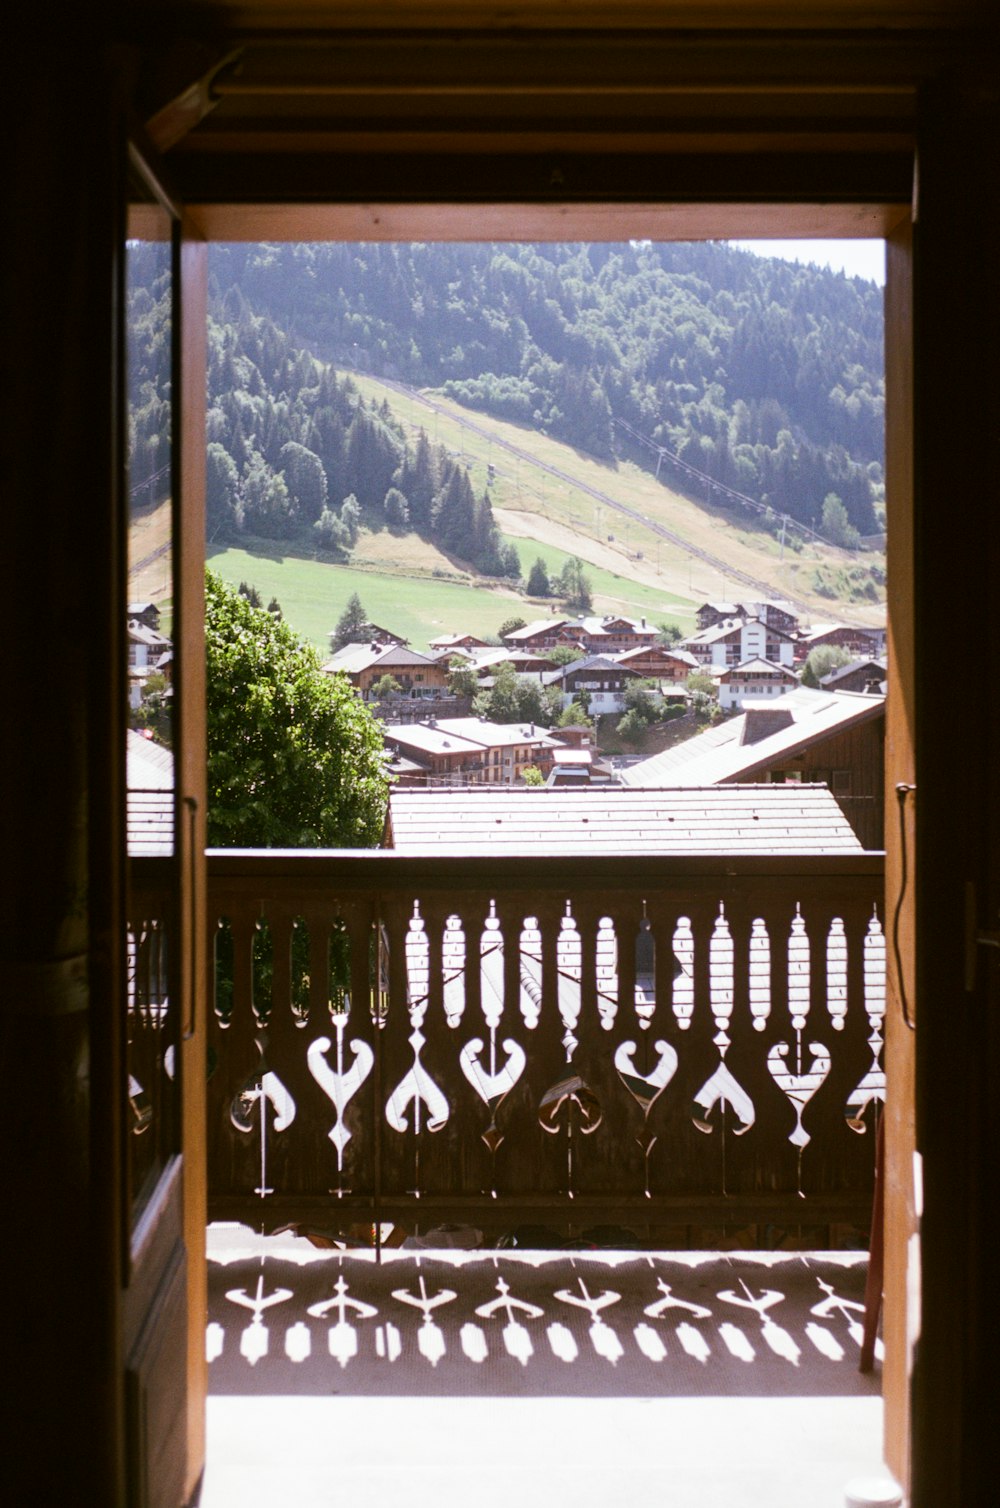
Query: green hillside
(313, 594)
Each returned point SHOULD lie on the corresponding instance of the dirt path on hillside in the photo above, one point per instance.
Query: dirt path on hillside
(693, 579)
(711, 557)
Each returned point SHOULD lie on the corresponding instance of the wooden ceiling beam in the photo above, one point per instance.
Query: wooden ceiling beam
(554, 63)
(329, 16)
(548, 179)
(542, 222)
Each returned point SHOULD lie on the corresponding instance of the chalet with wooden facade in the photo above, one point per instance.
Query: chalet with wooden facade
(608, 635)
(448, 643)
(812, 737)
(857, 641)
(469, 750)
(773, 614)
(417, 675)
(147, 613)
(600, 678)
(858, 675)
(658, 663)
(373, 633)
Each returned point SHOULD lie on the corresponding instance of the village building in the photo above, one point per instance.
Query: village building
(145, 645)
(835, 738)
(611, 634)
(614, 635)
(857, 641)
(864, 675)
(773, 614)
(490, 657)
(149, 773)
(445, 643)
(470, 750)
(754, 681)
(147, 613)
(599, 678)
(373, 633)
(575, 767)
(711, 613)
(732, 641)
(543, 634)
(417, 675)
(656, 662)
(149, 651)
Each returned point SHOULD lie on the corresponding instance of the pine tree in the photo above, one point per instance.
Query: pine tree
(352, 625)
(539, 584)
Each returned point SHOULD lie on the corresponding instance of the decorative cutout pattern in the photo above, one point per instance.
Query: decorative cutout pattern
(486, 1048)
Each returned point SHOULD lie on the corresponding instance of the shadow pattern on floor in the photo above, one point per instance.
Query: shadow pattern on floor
(286, 1318)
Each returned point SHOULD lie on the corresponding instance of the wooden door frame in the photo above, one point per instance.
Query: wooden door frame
(190, 773)
(229, 222)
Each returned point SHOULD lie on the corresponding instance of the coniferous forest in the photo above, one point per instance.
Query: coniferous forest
(766, 375)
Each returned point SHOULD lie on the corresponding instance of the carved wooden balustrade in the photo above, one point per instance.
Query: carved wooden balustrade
(660, 1042)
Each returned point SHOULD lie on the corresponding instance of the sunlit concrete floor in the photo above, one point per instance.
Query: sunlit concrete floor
(797, 1431)
(496, 1452)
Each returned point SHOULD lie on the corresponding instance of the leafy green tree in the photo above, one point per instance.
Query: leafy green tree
(462, 679)
(510, 562)
(223, 506)
(306, 480)
(251, 594)
(636, 698)
(397, 510)
(294, 757)
(510, 626)
(565, 654)
(155, 712)
(632, 728)
(836, 525)
(267, 504)
(820, 661)
(274, 608)
(577, 714)
(352, 625)
(701, 684)
(669, 634)
(539, 584)
(706, 707)
(575, 587)
(331, 534)
(384, 687)
(350, 519)
(515, 699)
(532, 775)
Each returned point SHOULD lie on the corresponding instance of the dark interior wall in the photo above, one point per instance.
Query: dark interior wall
(957, 799)
(61, 713)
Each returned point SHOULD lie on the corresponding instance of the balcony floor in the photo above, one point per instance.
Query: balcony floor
(446, 1377)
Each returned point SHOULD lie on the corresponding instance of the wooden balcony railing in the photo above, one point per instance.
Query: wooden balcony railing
(656, 1042)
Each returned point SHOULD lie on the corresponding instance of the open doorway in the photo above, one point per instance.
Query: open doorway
(541, 965)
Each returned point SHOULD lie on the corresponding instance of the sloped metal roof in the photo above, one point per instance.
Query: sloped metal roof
(733, 819)
(720, 754)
